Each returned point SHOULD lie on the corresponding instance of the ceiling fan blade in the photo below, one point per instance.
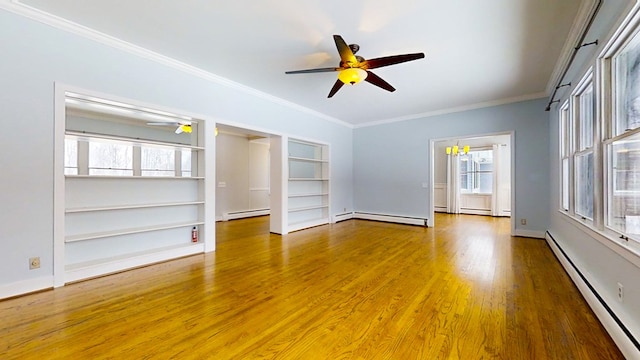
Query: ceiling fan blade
(313, 70)
(377, 81)
(346, 55)
(162, 123)
(391, 60)
(335, 88)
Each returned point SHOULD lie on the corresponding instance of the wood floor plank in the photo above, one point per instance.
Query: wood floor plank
(358, 289)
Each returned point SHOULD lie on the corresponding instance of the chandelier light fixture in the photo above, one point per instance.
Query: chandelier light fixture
(455, 150)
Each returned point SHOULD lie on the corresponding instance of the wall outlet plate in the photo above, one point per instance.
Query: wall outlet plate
(34, 263)
(620, 292)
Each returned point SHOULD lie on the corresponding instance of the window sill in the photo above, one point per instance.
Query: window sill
(629, 250)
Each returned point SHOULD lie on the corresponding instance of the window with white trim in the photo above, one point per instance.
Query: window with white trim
(476, 172)
(110, 158)
(622, 148)
(565, 156)
(123, 158)
(70, 157)
(157, 161)
(584, 155)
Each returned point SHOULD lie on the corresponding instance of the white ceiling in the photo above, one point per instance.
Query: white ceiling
(477, 51)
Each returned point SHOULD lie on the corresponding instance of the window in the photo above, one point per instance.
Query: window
(125, 158)
(565, 140)
(624, 186)
(70, 157)
(476, 172)
(626, 65)
(157, 161)
(110, 158)
(622, 149)
(599, 151)
(186, 163)
(583, 157)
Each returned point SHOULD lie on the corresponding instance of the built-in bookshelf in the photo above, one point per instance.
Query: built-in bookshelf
(308, 184)
(134, 191)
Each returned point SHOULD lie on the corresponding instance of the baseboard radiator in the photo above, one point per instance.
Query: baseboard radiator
(232, 215)
(626, 341)
(342, 217)
(391, 218)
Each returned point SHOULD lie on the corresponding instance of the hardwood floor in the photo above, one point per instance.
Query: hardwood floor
(353, 290)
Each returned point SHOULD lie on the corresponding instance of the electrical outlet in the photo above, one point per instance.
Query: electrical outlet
(34, 263)
(523, 221)
(620, 292)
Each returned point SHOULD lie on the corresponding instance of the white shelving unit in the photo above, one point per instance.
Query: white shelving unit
(308, 184)
(113, 222)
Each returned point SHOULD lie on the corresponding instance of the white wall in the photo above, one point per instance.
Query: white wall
(35, 56)
(393, 160)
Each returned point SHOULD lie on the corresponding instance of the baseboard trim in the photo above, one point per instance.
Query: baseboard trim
(391, 218)
(621, 335)
(529, 233)
(26, 286)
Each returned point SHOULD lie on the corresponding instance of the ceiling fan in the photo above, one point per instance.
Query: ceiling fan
(354, 69)
(181, 127)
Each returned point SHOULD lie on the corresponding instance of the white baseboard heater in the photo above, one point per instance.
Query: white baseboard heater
(342, 217)
(232, 215)
(628, 343)
(392, 218)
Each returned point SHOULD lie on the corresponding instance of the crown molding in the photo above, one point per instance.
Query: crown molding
(481, 105)
(580, 23)
(16, 7)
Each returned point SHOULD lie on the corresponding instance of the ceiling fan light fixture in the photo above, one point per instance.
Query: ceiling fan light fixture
(352, 75)
(186, 128)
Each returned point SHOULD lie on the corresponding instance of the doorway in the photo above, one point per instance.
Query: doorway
(472, 175)
(243, 173)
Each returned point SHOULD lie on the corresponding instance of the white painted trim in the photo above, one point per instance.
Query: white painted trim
(452, 110)
(389, 218)
(342, 217)
(25, 286)
(105, 268)
(578, 26)
(27, 11)
(617, 334)
(529, 233)
(59, 127)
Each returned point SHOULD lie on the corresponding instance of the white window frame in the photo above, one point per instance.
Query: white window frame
(476, 173)
(83, 149)
(581, 150)
(566, 134)
(607, 134)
